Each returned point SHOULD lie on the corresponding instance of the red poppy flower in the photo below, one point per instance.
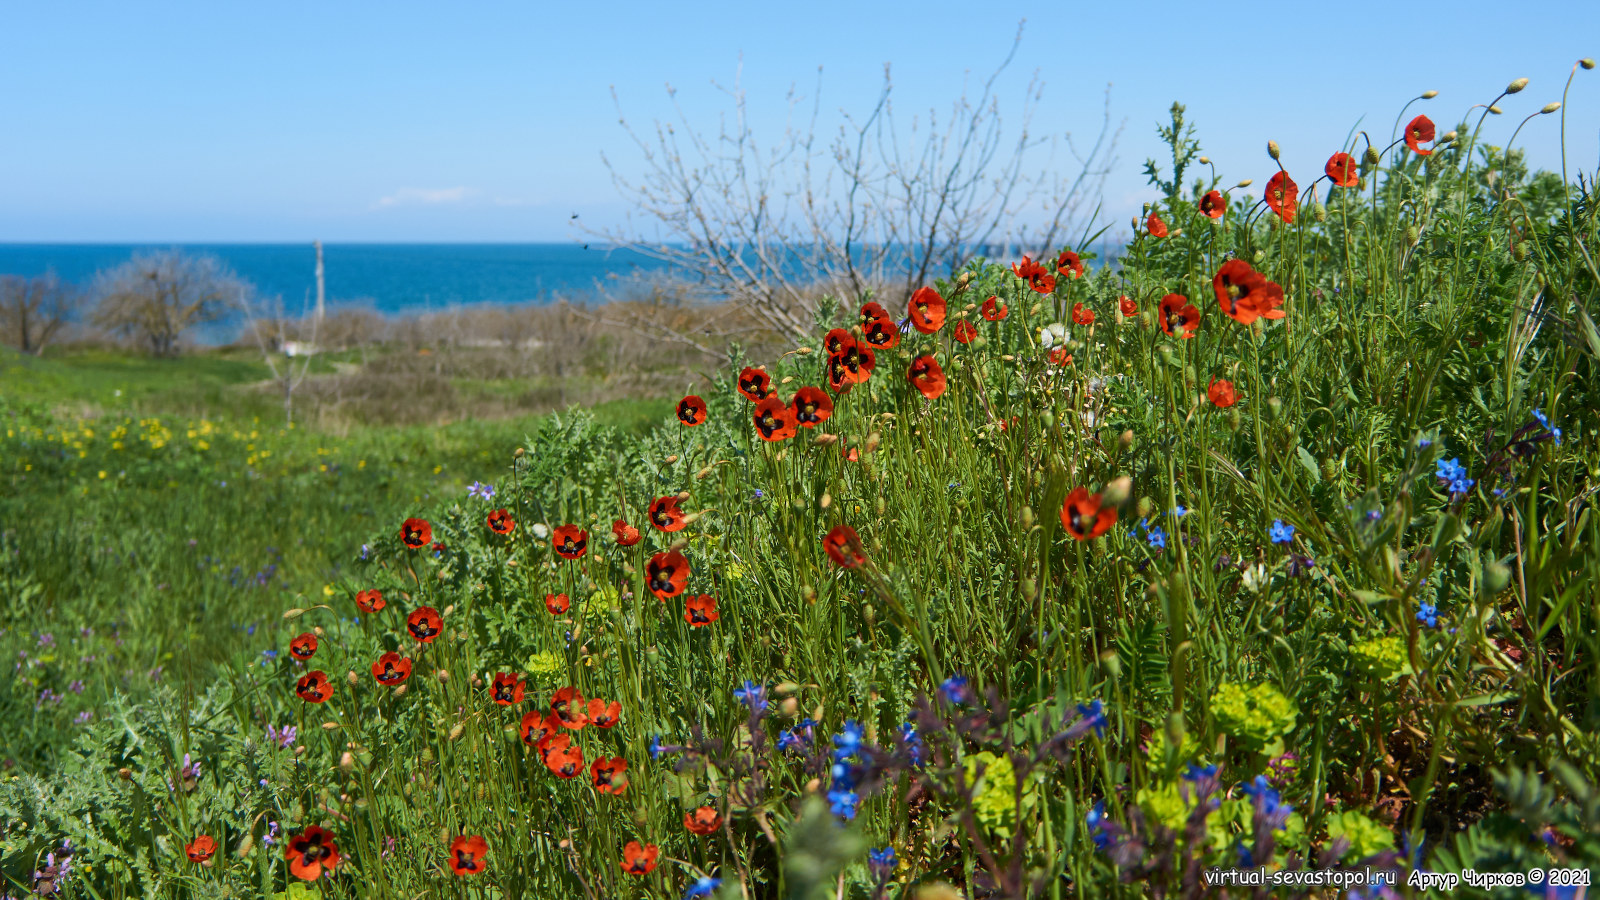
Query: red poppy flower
(1128, 307)
(1154, 225)
(1058, 356)
(467, 853)
(201, 848)
(873, 312)
(755, 383)
(836, 340)
(507, 688)
(609, 776)
(604, 714)
(311, 852)
(303, 647)
(538, 727)
(1221, 393)
(881, 334)
(691, 410)
(1082, 315)
(500, 522)
(1214, 204)
(1037, 276)
(857, 362)
(702, 821)
(626, 534)
(566, 705)
(994, 310)
(926, 376)
(557, 603)
(563, 759)
(843, 546)
(1418, 132)
(667, 574)
(416, 533)
(700, 611)
(391, 668)
(1245, 294)
(811, 407)
(370, 601)
(314, 687)
(1283, 196)
(639, 860)
(927, 310)
(1341, 170)
(774, 419)
(1069, 265)
(570, 541)
(965, 332)
(1084, 517)
(424, 624)
(665, 515)
(1178, 316)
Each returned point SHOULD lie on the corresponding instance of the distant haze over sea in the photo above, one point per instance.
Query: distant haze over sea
(388, 278)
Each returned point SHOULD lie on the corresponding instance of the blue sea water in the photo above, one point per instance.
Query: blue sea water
(388, 278)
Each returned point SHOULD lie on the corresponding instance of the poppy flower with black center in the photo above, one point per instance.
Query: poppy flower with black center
(994, 310)
(314, 687)
(691, 410)
(965, 332)
(843, 546)
(1154, 225)
(311, 853)
(774, 419)
(1036, 275)
(1082, 315)
(609, 776)
(1058, 356)
(566, 705)
(1282, 196)
(1084, 517)
(467, 853)
(507, 688)
(667, 574)
(303, 647)
(201, 848)
(811, 407)
(873, 312)
(858, 362)
(1068, 265)
(1341, 170)
(626, 534)
(370, 601)
(838, 376)
(702, 821)
(391, 668)
(1245, 294)
(1127, 305)
(500, 522)
(557, 603)
(1418, 132)
(570, 541)
(1214, 204)
(1221, 393)
(604, 713)
(881, 334)
(836, 340)
(926, 376)
(424, 624)
(538, 726)
(1178, 316)
(565, 762)
(700, 611)
(665, 515)
(755, 383)
(927, 310)
(416, 533)
(639, 859)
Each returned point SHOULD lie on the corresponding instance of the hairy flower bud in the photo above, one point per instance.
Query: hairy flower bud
(1371, 157)
(1516, 86)
(1205, 160)
(1549, 108)
(1272, 149)
(1245, 183)
(1586, 62)
(1429, 95)
(347, 761)
(1447, 137)
(456, 730)
(1495, 109)
(352, 678)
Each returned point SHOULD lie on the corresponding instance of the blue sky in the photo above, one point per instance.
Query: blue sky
(486, 121)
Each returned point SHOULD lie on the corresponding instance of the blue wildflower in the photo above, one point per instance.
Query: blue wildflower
(1179, 511)
(1267, 799)
(955, 690)
(1280, 533)
(1098, 827)
(752, 695)
(702, 887)
(656, 748)
(480, 490)
(789, 739)
(916, 750)
(1094, 714)
(842, 803)
(1196, 772)
(1554, 432)
(848, 744)
(882, 861)
(1428, 615)
(1157, 538)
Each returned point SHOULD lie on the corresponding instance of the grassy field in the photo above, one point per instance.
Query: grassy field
(1271, 547)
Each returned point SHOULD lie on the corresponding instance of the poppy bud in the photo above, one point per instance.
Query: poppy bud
(1034, 310)
(246, 845)
(1520, 252)
(329, 726)
(294, 613)
(1549, 108)
(1319, 212)
(823, 440)
(1259, 256)
(1205, 160)
(352, 678)
(1048, 419)
(826, 501)
(1276, 405)
(347, 761)
(448, 610)
(442, 675)
(1116, 491)
(1245, 183)
(789, 707)
(511, 562)
(1447, 137)
(1146, 319)
(456, 730)
(1030, 588)
(1025, 518)
(1429, 95)
(1146, 507)
(671, 459)
(1412, 234)
(300, 750)
(1272, 149)
(809, 593)
(1126, 440)
(1496, 110)
(872, 442)
(1371, 157)
(868, 613)
(1234, 419)
(813, 785)
(125, 773)
(1516, 86)
(1111, 662)
(519, 453)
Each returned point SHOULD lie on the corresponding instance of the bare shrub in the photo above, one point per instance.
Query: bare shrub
(34, 311)
(154, 298)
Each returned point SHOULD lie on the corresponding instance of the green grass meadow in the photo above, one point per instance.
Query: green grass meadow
(1270, 546)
